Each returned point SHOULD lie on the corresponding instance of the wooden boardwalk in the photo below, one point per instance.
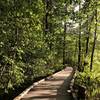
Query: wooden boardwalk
(52, 88)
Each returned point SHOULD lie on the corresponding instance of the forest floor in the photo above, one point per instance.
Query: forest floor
(52, 88)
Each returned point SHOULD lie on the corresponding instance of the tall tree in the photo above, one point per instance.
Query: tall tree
(64, 44)
(79, 41)
(95, 37)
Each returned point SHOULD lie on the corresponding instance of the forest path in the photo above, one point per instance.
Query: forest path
(52, 88)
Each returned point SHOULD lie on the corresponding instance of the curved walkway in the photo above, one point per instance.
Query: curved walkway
(52, 88)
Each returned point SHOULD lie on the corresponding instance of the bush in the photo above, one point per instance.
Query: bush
(90, 80)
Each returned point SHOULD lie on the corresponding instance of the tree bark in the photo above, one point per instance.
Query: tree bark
(79, 54)
(89, 21)
(87, 40)
(64, 37)
(79, 42)
(46, 16)
(94, 42)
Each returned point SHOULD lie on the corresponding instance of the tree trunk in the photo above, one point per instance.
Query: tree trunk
(89, 21)
(79, 54)
(94, 43)
(46, 16)
(79, 42)
(64, 36)
(87, 40)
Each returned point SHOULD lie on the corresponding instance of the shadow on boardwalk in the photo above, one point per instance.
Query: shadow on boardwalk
(54, 88)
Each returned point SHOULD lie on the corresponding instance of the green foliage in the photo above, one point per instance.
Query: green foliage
(29, 49)
(90, 80)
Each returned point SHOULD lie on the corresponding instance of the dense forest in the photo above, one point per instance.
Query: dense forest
(40, 37)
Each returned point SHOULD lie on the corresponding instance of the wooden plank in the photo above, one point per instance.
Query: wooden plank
(53, 87)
